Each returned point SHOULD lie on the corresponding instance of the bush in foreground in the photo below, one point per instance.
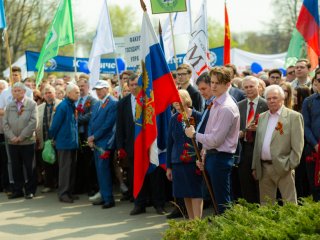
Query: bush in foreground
(251, 221)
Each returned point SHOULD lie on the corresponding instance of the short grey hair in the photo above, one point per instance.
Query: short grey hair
(19, 85)
(5, 83)
(251, 78)
(70, 87)
(48, 87)
(272, 88)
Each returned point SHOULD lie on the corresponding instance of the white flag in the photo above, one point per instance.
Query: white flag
(197, 55)
(181, 23)
(103, 43)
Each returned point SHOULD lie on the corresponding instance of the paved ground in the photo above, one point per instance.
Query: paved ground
(46, 218)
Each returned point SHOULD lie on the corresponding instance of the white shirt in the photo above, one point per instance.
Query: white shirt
(133, 106)
(272, 123)
(6, 96)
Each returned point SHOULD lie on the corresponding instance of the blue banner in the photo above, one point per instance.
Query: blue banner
(67, 64)
(3, 23)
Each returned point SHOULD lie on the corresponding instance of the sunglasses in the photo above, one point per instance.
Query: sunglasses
(290, 73)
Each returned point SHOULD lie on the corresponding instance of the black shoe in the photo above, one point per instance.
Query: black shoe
(15, 195)
(160, 210)
(98, 203)
(29, 196)
(138, 210)
(65, 199)
(74, 197)
(108, 205)
(175, 214)
(125, 198)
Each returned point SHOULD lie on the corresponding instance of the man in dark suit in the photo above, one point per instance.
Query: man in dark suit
(249, 109)
(184, 75)
(86, 180)
(235, 92)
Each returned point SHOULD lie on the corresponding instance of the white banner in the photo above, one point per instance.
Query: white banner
(132, 49)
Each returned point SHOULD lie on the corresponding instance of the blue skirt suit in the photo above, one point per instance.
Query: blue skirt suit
(186, 178)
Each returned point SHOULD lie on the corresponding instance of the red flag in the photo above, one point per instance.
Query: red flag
(157, 92)
(227, 37)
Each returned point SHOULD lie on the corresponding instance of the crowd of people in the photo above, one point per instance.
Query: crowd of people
(258, 137)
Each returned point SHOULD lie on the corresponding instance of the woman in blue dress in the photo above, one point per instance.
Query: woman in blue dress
(181, 160)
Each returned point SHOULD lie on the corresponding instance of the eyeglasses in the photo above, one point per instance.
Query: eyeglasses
(274, 77)
(181, 74)
(290, 73)
(318, 79)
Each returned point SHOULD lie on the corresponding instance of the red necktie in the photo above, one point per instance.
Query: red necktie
(249, 135)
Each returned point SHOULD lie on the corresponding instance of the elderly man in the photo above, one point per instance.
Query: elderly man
(249, 109)
(19, 124)
(64, 132)
(86, 180)
(278, 148)
(220, 137)
(46, 112)
(311, 116)
(101, 132)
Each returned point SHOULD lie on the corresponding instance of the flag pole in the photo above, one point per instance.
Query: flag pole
(5, 32)
(75, 60)
(173, 42)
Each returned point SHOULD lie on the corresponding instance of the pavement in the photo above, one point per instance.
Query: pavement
(44, 217)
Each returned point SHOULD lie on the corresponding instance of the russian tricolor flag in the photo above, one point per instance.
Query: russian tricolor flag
(308, 24)
(157, 92)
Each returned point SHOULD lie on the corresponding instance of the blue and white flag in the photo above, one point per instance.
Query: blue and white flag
(3, 23)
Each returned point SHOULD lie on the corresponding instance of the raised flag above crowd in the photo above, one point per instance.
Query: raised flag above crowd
(157, 92)
(227, 37)
(103, 43)
(60, 34)
(3, 22)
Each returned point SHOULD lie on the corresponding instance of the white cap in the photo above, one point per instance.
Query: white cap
(101, 84)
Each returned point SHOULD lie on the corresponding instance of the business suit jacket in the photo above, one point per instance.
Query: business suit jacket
(84, 118)
(39, 130)
(102, 124)
(125, 127)
(286, 148)
(24, 125)
(237, 94)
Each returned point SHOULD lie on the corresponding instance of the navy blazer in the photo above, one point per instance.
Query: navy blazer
(237, 94)
(177, 138)
(64, 126)
(102, 124)
(84, 118)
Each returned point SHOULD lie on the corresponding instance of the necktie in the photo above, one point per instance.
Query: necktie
(249, 135)
(80, 102)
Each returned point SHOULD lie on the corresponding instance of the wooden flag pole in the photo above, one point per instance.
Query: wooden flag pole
(204, 174)
(8, 54)
(173, 42)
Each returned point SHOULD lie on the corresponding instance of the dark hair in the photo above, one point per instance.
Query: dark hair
(205, 78)
(132, 77)
(222, 73)
(127, 72)
(234, 70)
(275, 70)
(16, 69)
(302, 93)
(308, 64)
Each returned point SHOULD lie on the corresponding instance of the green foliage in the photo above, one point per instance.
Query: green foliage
(250, 221)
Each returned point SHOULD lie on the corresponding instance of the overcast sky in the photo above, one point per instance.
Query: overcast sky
(244, 15)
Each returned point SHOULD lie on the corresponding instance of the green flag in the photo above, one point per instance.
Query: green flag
(167, 6)
(296, 49)
(60, 34)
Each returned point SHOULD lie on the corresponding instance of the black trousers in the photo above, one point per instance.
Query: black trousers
(4, 177)
(249, 186)
(154, 185)
(23, 158)
(67, 171)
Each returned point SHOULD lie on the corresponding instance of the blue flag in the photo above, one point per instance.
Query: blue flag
(3, 23)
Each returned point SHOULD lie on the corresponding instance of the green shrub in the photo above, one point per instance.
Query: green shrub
(251, 221)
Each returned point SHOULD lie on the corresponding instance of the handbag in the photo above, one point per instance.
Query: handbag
(48, 153)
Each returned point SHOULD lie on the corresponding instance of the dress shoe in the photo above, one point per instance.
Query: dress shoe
(175, 214)
(29, 196)
(65, 199)
(99, 202)
(125, 197)
(160, 210)
(108, 205)
(46, 190)
(15, 195)
(138, 210)
(74, 197)
(96, 197)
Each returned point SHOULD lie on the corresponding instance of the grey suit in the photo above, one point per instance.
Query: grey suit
(249, 187)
